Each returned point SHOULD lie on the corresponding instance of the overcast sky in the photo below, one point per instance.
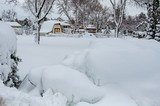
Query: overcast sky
(131, 8)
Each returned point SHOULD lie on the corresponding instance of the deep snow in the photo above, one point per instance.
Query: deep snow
(127, 69)
(13, 97)
(51, 51)
(130, 64)
(72, 83)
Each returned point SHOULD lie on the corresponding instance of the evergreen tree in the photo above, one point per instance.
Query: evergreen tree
(153, 14)
(158, 25)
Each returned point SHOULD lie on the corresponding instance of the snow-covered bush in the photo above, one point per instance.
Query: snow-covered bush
(8, 59)
(72, 83)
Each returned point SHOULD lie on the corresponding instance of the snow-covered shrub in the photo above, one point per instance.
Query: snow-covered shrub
(8, 59)
(72, 83)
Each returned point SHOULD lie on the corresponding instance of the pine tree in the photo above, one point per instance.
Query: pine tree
(158, 25)
(153, 19)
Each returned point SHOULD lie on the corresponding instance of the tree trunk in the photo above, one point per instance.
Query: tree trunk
(117, 32)
(38, 34)
(37, 37)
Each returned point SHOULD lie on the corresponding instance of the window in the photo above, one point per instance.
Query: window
(56, 30)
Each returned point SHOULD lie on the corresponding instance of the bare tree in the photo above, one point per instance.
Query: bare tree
(99, 15)
(39, 9)
(9, 15)
(118, 12)
(11, 1)
(64, 7)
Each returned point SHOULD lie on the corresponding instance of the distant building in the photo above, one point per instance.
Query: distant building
(80, 30)
(54, 26)
(91, 29)
(16, 26)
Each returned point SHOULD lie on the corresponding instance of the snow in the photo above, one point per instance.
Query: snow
(51, 51)
(131, 64)
(13, 24)
(114, 97)
(59, 77)
(8, 44)
(126, 68)
(13, 97)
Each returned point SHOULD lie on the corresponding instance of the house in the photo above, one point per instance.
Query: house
(91, 29)
(54, 27)
(80, 30)
(16, 26)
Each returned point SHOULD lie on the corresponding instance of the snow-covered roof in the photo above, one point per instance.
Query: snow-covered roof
(90, 27)
(48, 25)
(13, 24)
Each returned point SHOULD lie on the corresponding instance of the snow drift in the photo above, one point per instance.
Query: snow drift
(72, 83)
(13, 97)
(131, 64)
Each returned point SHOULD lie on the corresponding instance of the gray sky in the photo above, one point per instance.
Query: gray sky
(131, 8)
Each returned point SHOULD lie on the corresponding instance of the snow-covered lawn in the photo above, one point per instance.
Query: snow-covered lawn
(127, 70)
(51, 51)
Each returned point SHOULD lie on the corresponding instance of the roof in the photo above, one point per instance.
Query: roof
(13, 24)
(90, 27)
(47, 26)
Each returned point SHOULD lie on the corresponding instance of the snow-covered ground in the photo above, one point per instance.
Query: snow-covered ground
(127, 70)
(51, 51)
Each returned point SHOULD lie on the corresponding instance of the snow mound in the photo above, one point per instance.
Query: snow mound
(116, 60)
(13, 97)
(113, 97)
(8, 45)
(132, 64)
(72, 83)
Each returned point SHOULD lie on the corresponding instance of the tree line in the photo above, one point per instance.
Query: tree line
(83, 12)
